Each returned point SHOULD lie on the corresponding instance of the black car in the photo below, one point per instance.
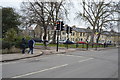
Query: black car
(37, 40)
(68, 42)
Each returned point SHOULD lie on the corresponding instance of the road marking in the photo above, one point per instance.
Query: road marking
(85, 60)
(40, 71)
(69, 55)
(10, 63)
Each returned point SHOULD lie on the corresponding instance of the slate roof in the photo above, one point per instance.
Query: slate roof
(32, 27)
(109, 33)
(82, 30)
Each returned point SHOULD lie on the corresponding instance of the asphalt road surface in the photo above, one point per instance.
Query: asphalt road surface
(79, 64)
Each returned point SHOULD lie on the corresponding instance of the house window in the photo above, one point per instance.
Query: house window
(80, 34)
(73, 39)
(63, 33)
(65, 38)
(83, 34)
(81, 39)
(73, 33)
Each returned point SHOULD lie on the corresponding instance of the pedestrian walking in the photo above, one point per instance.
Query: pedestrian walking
(23, 45)
(31, 45)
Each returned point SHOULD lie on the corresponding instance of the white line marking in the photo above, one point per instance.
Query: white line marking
(85, 60)
(40, 71)
(69, 55)
(10, 63)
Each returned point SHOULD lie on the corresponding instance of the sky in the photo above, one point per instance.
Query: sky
(16, 4)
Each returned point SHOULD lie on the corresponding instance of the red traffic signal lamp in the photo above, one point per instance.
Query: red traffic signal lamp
(60, 25)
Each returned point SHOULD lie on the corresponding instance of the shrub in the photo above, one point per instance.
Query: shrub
(10, 35)
(6, 44)
(12, 39)
(18, 41)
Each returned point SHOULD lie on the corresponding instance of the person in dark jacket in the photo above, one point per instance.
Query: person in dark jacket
(23, 46)
(31, 45)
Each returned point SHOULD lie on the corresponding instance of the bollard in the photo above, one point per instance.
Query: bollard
(76, 45)
(86, 46)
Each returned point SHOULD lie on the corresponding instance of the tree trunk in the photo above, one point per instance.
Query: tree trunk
(54, 37)
(44, 39)
(97, 40)
(92, 38)
(41, 33)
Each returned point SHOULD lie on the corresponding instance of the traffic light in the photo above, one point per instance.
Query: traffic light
(67, 30)
(62, 27)
(58, 25)
(70, 30)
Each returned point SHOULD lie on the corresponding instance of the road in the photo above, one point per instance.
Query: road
(79, 64)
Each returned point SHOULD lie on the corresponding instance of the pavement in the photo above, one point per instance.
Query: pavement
(39, 52)
(18, 56)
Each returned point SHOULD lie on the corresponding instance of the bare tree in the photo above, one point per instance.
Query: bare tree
(97, 14)
(57, 10)
(44, 14)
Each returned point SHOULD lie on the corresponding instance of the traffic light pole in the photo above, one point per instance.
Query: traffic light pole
(68, 36)
(67, 39)
(60, 30)
(57, 40)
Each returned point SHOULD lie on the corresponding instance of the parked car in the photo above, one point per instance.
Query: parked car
(62, 41)
(108, 44)
(98, 43)
(37, 40)
(50, 42)
(81, 42)
(68, 42)
(101, 43)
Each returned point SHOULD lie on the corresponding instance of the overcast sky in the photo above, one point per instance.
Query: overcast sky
(16, 4)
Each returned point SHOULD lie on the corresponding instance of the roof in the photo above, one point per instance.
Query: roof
(109, 33)
(82, 30)
(32, 27)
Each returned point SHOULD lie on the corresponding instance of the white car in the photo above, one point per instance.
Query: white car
(62, 41)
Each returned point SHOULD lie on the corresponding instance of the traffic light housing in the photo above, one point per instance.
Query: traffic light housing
(70, 30)
(62, 27)
(58, 25)
(67, 30)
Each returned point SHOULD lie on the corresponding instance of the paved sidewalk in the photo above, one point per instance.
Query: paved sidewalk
(18, 56)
